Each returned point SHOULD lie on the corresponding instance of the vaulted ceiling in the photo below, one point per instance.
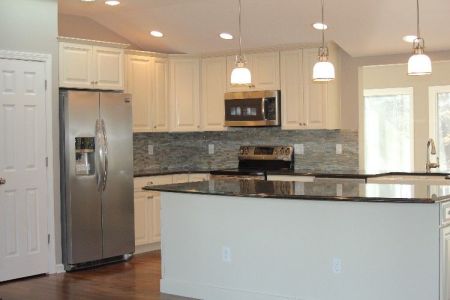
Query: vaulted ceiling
(361, 27)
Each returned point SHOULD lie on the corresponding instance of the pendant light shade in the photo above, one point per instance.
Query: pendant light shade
(419, 63)
(323, 70)
(240, 74)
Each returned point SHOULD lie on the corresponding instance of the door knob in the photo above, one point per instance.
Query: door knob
(2, 181)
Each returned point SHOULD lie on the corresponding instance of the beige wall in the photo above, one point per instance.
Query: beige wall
(395, 76)
(32, 26)
(350, 80)
(86, 28)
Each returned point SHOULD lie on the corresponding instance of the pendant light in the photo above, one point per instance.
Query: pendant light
(323, 69)
(419, 63)
(240, 74)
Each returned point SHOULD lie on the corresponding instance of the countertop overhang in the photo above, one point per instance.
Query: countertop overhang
(324, 191)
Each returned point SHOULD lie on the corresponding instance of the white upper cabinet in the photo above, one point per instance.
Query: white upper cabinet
(292, 101)
(139, 69)
(307, 104)
(160, 111)
(265, 69)
(184, 94)
(213, 86)
(91, 67)
(75, 66)
(108, 68)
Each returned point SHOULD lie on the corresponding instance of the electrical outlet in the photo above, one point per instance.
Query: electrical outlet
(299, 149)
(339, 190)
(150, 149)
(338, 148)
(226, 254)
(337, 265)
(211, 149)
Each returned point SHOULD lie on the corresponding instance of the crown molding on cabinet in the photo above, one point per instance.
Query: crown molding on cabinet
(92, 42)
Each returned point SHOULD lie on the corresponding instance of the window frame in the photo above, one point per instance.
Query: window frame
(371, 92)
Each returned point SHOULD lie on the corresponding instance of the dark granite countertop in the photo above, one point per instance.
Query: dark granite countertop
(170, 172)
(316, 173)
(416, 193)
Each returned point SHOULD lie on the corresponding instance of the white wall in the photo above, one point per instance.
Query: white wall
(86, 28)
(32, 26)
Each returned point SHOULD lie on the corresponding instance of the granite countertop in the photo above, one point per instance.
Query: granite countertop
(415, 193)
(316, 173)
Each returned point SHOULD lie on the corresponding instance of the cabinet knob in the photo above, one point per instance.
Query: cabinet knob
(150, 183)
(154, 126)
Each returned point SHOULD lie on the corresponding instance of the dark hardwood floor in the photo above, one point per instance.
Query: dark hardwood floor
(136, 279)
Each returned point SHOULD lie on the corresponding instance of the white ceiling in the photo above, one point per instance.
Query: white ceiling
(361, 27)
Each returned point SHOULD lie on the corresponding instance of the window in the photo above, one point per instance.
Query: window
(440, 123)
(388, 130)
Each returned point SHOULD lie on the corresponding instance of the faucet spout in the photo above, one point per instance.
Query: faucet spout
(429, 164)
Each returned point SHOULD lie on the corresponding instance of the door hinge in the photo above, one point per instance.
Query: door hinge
(46, 161)
(45, 84)
(48, 238)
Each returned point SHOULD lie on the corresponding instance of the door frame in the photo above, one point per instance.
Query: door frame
(47, 60)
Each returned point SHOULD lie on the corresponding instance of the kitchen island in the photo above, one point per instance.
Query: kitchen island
(250, 239)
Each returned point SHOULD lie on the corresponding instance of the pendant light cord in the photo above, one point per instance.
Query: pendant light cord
(418, 20)
(323, 25)
(240, 31)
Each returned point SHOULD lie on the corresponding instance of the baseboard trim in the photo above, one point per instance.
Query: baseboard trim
(147, 248)
(210, 292)
(59, 269)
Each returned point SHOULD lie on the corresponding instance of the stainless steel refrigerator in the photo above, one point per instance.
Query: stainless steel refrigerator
(96, 177)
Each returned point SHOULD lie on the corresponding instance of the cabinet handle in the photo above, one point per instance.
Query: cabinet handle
(150, 183)
(154, 127)
(150, 197)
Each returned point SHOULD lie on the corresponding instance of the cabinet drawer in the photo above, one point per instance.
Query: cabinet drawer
(445, 213)
(140, 182)
(198, 177)
(290, 178)
(180, 178)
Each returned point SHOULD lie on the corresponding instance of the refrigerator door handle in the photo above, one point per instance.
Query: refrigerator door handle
(98, 155)
(105, 155)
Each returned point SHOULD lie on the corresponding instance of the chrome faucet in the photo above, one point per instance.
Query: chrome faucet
(429, 164)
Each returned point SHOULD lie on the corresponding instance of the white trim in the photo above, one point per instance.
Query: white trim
(47, 59)
(59, 269)
(66, 39)
(432, 107)
(384, 92)
(147, 248)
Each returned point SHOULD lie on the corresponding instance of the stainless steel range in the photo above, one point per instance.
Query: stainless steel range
(256, 161)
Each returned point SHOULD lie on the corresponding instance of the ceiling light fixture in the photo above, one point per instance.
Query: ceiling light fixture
(419, 63)
(240, 74)
(87, 0)
(112, 2)
(409, 38)
(323, 69)
(320, 26)
(156, 33)
(226, 36)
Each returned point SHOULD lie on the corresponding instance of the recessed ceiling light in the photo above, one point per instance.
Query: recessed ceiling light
(409, 38)
(156, 33)
(112, 2)
(87, 0)
(226, 36)
(320, 26)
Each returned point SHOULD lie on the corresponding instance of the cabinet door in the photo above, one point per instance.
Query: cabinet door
(156, 219)
(213, 88)
(266, 71)
(75, 63)
(160, 114)
(184, 94)
(108, 68)
(231, 63)
(138, 85)
(445, 263)
(142, 213)
(315, 93)
(292, 101)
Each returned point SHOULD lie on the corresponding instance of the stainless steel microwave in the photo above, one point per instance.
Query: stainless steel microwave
(260, 108)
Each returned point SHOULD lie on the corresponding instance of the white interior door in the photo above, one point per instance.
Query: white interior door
(23, 198)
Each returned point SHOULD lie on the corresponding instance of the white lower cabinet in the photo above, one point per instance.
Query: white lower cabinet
(445, 263)
(290, 178)
(147, 208)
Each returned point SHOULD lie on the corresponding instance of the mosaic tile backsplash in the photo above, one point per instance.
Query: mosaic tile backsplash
(189, 151)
